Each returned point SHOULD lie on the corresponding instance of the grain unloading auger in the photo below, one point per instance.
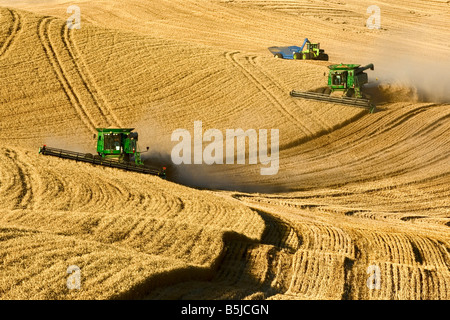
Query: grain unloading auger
(348, 78)
(116, 148)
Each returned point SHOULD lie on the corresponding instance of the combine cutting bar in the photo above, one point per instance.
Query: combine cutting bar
(86, 157)
(356, 102)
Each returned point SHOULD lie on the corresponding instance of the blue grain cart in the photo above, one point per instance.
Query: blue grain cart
(307, 51)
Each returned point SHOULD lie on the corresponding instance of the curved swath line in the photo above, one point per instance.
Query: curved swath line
(13, 30)
(300, 141)
(43, 26)
(66, 46)
(431, 251)
(231, 57)
(387, 120)
(373, 131)
(252, 61)
(25, 196)
(297, 142)
(395, 173)
(374, 156)
(71, 47)
(388, 148)
(343, 137)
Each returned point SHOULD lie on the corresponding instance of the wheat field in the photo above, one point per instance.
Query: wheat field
(355, 192)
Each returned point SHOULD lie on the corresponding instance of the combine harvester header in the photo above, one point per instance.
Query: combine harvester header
(116, 148)
(347, 78)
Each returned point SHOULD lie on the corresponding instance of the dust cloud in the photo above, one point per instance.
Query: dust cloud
(199, 176)
(405, 70)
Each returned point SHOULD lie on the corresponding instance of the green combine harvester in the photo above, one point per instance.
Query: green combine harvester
(116, 148)
(346, 78)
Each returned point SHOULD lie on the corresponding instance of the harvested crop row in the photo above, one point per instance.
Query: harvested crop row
(35, 267)
(113, 191)
(14, 29)
(401, 282)
(359, 190)
(193, 244)
(318, 275)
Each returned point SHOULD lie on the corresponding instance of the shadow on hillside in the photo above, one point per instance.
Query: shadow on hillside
(232, 275)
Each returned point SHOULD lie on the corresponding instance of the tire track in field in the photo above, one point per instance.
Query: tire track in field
(96, 96)
(231, 56)
(21, 187)
(14, 29)
(69, 76)
(252, 61)
(43, 28)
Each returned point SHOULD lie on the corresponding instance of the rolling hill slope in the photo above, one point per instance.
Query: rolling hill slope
(354, 190)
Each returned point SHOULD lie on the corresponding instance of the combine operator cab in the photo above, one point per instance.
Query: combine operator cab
(348, 78)
(313, 47)
(118, 144)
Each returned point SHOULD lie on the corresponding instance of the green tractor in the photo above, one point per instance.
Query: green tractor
(312, 52)
(346, 78)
